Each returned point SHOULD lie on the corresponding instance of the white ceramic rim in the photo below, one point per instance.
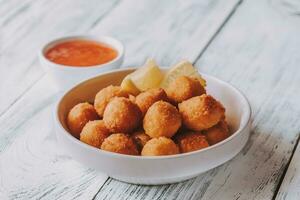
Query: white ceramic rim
(102, 39)
(246, 116)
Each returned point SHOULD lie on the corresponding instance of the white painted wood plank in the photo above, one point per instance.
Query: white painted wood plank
(166, 31)
(25, 26)
(257, 51)
(39, 167)
(35, 166)
(22, 26)
(290, 187)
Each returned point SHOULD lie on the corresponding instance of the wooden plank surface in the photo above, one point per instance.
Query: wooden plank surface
(165, 31)
(290, 187)
(31, 162)
(35, 166)
(26, 25)
(257, 51)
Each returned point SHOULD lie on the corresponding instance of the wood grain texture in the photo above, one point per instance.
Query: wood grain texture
(165, 31)
(35, 166)
(26, 25)
(290, 187)
(32, 165)
(258, 52)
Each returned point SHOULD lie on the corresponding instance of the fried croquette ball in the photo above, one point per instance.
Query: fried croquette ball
(120, 143)
(201, 112)
(217, 133)
(79, 115)
(183, 88)
(105, 95)
(145, 99)
(94, 133)
(161, 119)
(159, 147)
(191, 141)
(140, 138)
(121, 115)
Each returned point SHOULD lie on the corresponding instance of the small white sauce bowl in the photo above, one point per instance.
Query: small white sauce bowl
(154, 169)
(66, 76)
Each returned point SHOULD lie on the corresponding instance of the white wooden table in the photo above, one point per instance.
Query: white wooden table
(253, 44)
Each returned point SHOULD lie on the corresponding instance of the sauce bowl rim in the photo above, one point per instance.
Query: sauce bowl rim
(108, 40)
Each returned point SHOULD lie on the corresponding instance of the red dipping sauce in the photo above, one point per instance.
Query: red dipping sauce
(81, 53)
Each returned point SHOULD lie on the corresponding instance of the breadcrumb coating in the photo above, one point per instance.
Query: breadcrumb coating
(79, 115)
(94, 133)
(122, 116)
(201, 112)
(183, 88)
(162, 119)
(217, 133)
(146, 99)
(191, 141)
(159, 147)
(103, 97)
(120, 143)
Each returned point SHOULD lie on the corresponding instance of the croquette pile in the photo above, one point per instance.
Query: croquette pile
(179, 119)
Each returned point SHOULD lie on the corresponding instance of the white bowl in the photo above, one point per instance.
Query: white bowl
(66, 76)
(162, 169)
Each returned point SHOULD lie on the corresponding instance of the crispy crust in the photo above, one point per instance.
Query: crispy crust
(191, 141)
(94, 133)
(121, 115)
(79, 115)
(103, 97)
(161, 119)
(145, 99)
(201, 112)
(217, 133)
(160, 146)
(120, 143)
(183, 88)
(140, 138)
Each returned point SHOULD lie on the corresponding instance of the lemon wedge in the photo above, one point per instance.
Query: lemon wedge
(128, 86)
(183, 68)
(147, 77)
